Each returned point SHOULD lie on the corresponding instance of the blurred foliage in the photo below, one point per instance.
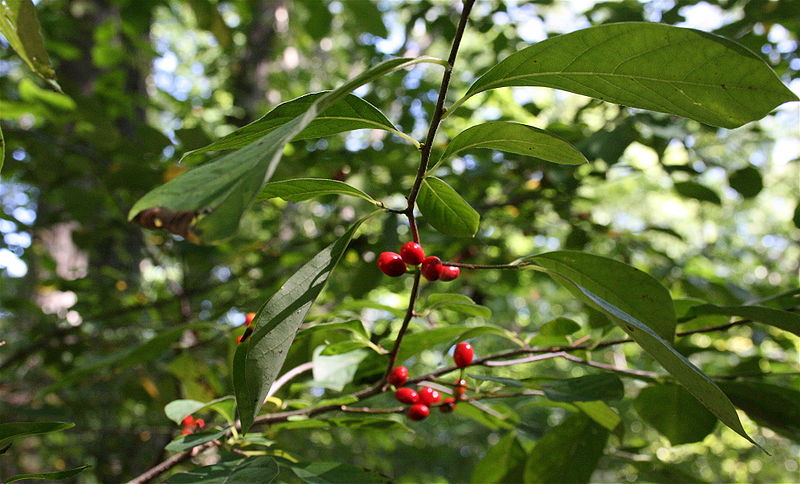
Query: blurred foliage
(710, 213)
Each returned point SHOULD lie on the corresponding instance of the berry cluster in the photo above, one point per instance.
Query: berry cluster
(411, 253)
(423, 398)
(247, 332)
(191, 425)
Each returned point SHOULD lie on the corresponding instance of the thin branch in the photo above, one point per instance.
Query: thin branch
(488, 266)
(404, 327)
(168, 464)
(288, 376)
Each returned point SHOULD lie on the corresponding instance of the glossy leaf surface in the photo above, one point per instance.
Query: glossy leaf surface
(300, 189)
(445, 210)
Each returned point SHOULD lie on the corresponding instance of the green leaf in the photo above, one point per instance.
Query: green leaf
(15, 430)
(796, 216)
(206, 203)
(624, 286)
(785, 320)
(659, 472)
(149, 350)
(769, 405)
(514, 138)
(334, 372)
(503, 462)
(747, 181)
(52, 476)
(600, 412)
(2, 149)
(342, 422)
(346, 114)
(650, 66)
(185, 442)
(579, 273)
(567, 453)
(604, 386)
(336, 473)
(559, 327)
(258, 360)
(20, 26)
(675, 413)
(300, 189)
(458, 303)
(252, 470)
(176, 410)
(445, 210)
(690, 189)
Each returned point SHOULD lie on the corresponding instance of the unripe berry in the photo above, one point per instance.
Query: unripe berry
(398, 376)
(406, 395)
(448, 406)
(448, 273)
(460, 389)
(248, 318)
(463, 354)
(428, 395)
(391, 264)
(431, 267)
(412, 253)
(418, 411)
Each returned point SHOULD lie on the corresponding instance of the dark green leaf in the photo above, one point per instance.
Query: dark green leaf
(796, 216)
(746, 181)
(503, 462)
(2, 149)
(770, 405)
(300, 189)
(785, 320)
(514, 138)
(258, 360)
(342, 422)
(206, 203)
(587, 388)
(14, 430)
(20, 26)
(52, 476)
(650, 66)
(567, 453)
(579, 274)
(185, 442)
(445, 210)
(346, 114)
(690, 189)
(659, 472)
(458, 303)
(675, 413)
(252, 470)
(336, 473)
(367, 14)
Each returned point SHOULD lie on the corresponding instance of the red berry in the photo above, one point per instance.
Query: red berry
(186, 431)
(448, 406)
(398, 376)
(428, 395)
(188, 420)
(448, 273)
(248, 318)
(418, 411)
(391, 264)
(406, 395)
(460, 389)
(412, 253)
(463, 354)
(200, 423)
(431, 267)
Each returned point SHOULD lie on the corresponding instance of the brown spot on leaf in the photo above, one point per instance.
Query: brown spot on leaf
(162, 218)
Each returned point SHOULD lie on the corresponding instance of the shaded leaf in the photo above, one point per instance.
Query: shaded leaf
(346, 114)
(503, 462)
(19, 24)
(576, 273)
(690, 189)
(769, 405)
(514, 138)
(53, 476)
(185, 442)
(445, 210)
(2, 149)
(559, 327)
(567, 453)
(258, 360)
(334, 372)
(252, 470)
(206, 203)
(336, 473)
(675, 413)
(300, 189)
(176, 410)
(650, 66)
(458, 303)
(14, 430)
(747, 181)
(601, 413)
(604, 386)
(785, 320)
